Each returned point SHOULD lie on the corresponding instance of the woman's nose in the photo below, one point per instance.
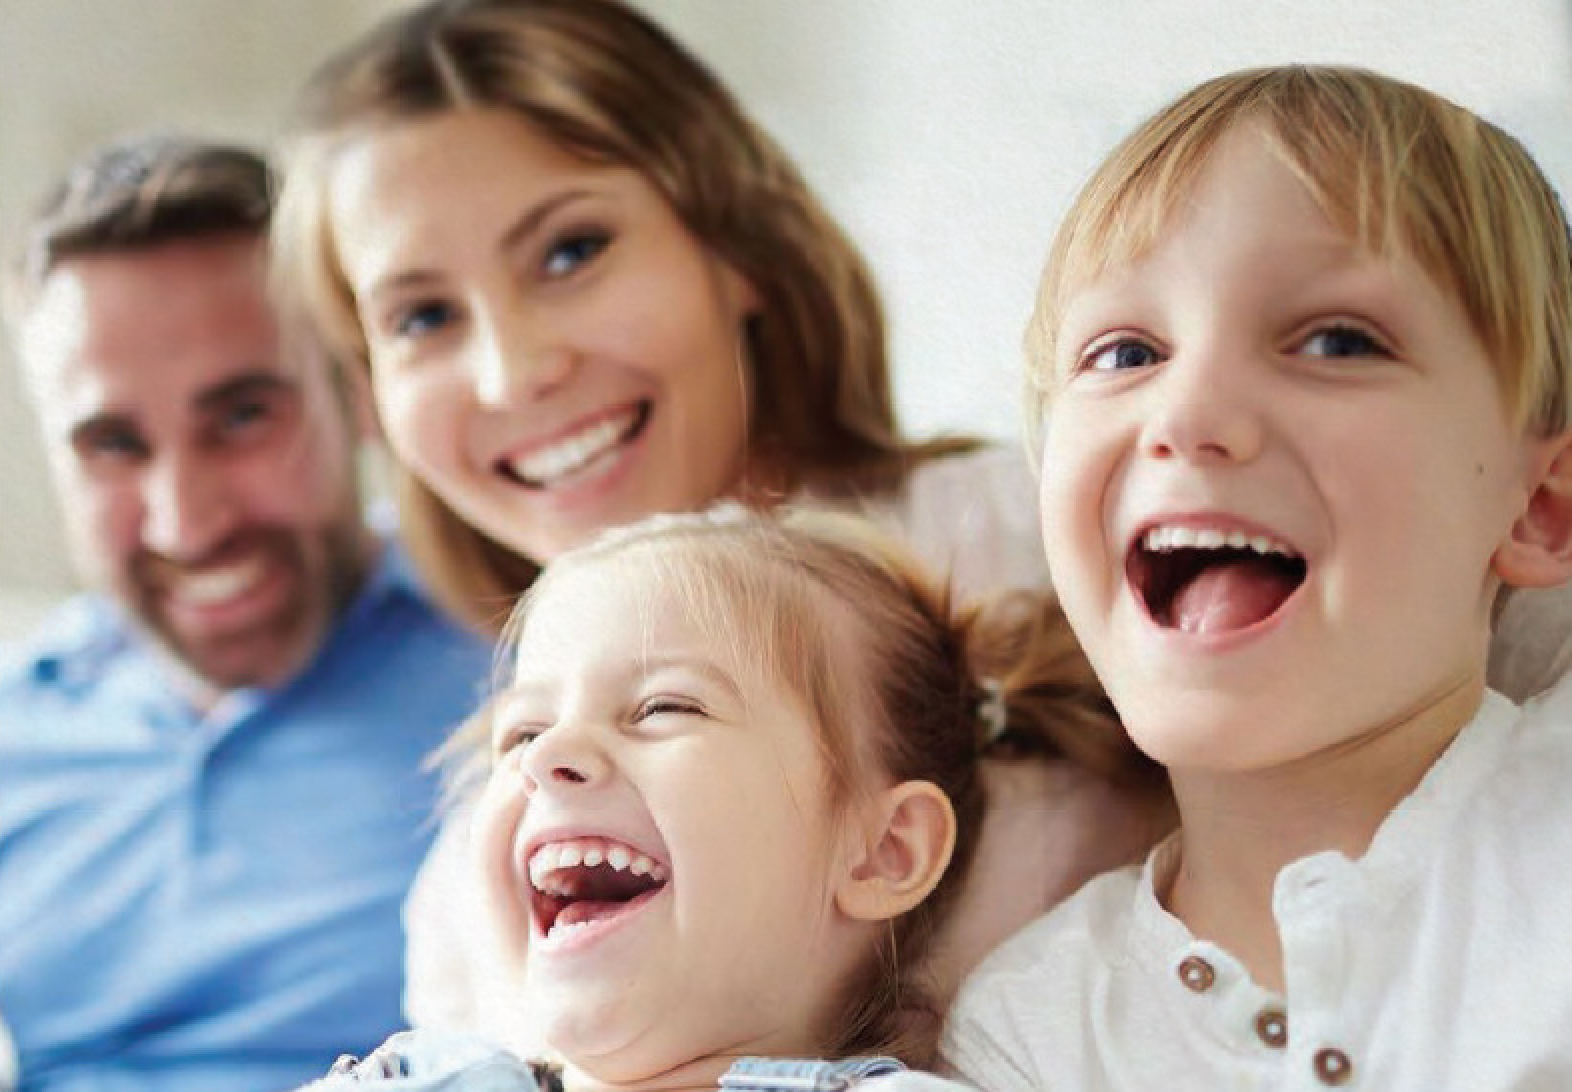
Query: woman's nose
(516, 359)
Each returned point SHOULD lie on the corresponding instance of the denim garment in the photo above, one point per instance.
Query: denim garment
(434, 1061)
(211, 904)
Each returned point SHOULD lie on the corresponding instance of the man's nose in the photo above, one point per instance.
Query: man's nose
(187, 509)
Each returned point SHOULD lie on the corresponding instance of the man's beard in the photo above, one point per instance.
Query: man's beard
(318, 572)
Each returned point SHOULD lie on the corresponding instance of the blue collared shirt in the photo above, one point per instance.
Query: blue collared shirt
(211, 903)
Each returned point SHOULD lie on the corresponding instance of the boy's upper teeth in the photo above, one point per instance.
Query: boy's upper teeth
(553, 857)
(1161, 539)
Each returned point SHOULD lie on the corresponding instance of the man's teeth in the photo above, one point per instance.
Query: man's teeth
(1162, 539)
(552, 858)
(217, 585)
(573, 452)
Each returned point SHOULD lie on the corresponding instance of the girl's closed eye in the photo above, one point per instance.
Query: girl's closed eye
(573, 250)
(668, 705)
(1119, 354)
(516, 738)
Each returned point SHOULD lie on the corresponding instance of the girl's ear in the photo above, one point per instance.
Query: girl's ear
(909, 841)
(1538, 551)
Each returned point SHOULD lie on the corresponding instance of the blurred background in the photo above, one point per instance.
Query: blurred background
(948, 135)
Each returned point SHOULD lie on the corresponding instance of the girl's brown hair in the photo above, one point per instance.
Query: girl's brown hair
(903, 686)
(605, 83)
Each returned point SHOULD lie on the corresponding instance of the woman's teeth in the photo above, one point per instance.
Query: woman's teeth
(546, 465)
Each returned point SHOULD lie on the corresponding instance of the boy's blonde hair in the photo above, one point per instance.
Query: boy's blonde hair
(1393, 164)
(899, 685)
(604, 82)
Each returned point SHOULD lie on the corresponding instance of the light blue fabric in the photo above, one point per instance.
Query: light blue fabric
(438, 1061)
(212, 904)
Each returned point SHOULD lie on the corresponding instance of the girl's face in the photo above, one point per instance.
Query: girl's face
(551, 351)
(659, 835)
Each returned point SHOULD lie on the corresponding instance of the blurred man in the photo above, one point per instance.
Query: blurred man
(212, 790)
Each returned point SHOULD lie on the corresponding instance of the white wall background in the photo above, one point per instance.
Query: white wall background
(948, 135)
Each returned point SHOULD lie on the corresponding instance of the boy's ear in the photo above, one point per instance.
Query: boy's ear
(907, 847)
(1538, 551)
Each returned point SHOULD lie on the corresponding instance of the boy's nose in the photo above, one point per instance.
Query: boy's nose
(1204, 411)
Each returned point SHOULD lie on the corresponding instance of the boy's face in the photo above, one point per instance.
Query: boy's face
(658, 836)
(1276, 472)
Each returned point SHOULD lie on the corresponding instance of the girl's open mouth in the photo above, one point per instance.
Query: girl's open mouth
(582, 882)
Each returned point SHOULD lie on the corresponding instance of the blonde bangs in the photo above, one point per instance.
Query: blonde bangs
(1398, 168)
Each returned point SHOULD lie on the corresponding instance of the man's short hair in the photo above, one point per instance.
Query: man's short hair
(139, 193)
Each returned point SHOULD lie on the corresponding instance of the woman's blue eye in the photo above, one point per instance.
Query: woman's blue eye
(570, 253)
(1123, 355)
(1343, 341)
(422, 319)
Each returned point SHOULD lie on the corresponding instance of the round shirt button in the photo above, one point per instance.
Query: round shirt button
(1197, 974)
(1333, 1066)
(1272, 1026)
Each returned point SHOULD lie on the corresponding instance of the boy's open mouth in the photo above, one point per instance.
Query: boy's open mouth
(1210, 580)
(581, 881)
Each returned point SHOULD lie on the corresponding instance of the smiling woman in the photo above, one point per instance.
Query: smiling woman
(585, 288)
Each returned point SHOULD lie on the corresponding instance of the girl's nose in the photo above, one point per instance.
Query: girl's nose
(565, 756)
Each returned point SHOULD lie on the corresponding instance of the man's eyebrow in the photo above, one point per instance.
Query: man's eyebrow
(248, 385)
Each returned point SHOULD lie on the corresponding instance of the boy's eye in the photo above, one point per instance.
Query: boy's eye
(422, 319)
(1120, 355)
(1342, 340)
(573, 251)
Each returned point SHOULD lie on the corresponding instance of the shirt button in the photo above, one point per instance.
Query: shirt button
(1197, 974)
(1333, 1066)
(1272, 1026)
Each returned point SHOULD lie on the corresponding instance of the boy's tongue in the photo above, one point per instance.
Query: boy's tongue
(1230, 595)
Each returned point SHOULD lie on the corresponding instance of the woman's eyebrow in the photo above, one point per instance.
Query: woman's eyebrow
(529, 221)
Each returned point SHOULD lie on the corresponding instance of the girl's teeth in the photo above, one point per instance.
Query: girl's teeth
(552, 858)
